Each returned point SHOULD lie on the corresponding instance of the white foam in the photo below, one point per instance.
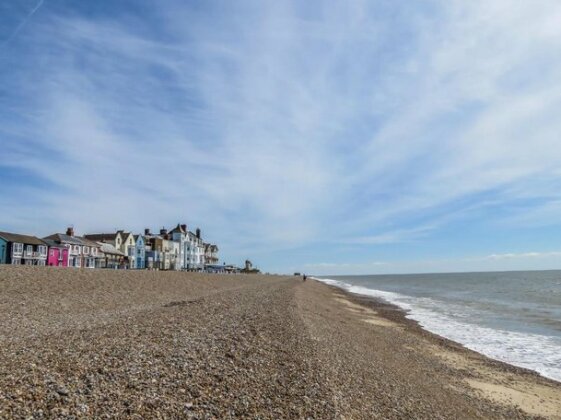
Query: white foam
(537, 352)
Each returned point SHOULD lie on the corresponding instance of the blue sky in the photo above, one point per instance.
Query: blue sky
(319, 136)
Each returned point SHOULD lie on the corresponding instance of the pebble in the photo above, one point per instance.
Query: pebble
(134, 344)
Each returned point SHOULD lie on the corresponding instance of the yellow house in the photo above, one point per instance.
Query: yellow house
(121, 240)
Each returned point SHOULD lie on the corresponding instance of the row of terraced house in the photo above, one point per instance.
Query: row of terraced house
(175, 249)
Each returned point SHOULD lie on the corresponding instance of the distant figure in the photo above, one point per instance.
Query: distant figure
(305, 277)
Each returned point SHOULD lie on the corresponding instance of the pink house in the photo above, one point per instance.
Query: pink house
(57, 255)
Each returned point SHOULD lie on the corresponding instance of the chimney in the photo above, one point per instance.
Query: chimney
(70, 231)
(198, 233)
(163, 231)
(146, 232)
(184, 228)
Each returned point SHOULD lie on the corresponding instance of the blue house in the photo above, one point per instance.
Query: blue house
(3, 251)
(140, 252)
(18, 249)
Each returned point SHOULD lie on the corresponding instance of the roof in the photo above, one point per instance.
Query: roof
(179, 229)
(109, 249)
(24, 239)
(61, 238)
(53, 244)
(88, 242)
(101, 237)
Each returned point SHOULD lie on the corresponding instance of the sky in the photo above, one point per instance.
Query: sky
(323, 137)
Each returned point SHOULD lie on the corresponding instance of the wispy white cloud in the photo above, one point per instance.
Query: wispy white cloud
(287, 125)
(511, 255)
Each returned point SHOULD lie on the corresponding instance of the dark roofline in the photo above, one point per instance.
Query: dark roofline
(101, 236)
(24, 239)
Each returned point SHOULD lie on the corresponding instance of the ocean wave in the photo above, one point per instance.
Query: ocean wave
(537, 352)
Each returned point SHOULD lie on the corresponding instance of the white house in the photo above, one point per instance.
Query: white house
(191, 248)
(180, 234)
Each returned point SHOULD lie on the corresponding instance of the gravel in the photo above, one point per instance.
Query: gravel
(106, 344)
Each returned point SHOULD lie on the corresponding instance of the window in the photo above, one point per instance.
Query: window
(76, 249)
(41, 262)
(77, 262)
(94, 251)
(42, 250)
(29, 249)
(17, 248)
(52, 253)
(86, 250)
(17, 261)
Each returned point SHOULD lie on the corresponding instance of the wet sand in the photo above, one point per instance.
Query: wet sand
(162, 344)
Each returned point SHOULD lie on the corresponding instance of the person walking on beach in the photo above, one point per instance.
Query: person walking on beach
(304, 277)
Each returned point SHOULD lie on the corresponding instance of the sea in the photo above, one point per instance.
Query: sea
(514, 317)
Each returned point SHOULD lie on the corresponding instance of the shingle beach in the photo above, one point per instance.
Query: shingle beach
(147, 344)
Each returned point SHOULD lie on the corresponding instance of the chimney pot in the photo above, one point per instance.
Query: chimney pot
(184, 227)
(198, 233)
(146, 232)
(163, 231)
(70, 231)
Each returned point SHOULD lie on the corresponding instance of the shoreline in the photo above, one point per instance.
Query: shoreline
(394, 312)
(493, 379)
